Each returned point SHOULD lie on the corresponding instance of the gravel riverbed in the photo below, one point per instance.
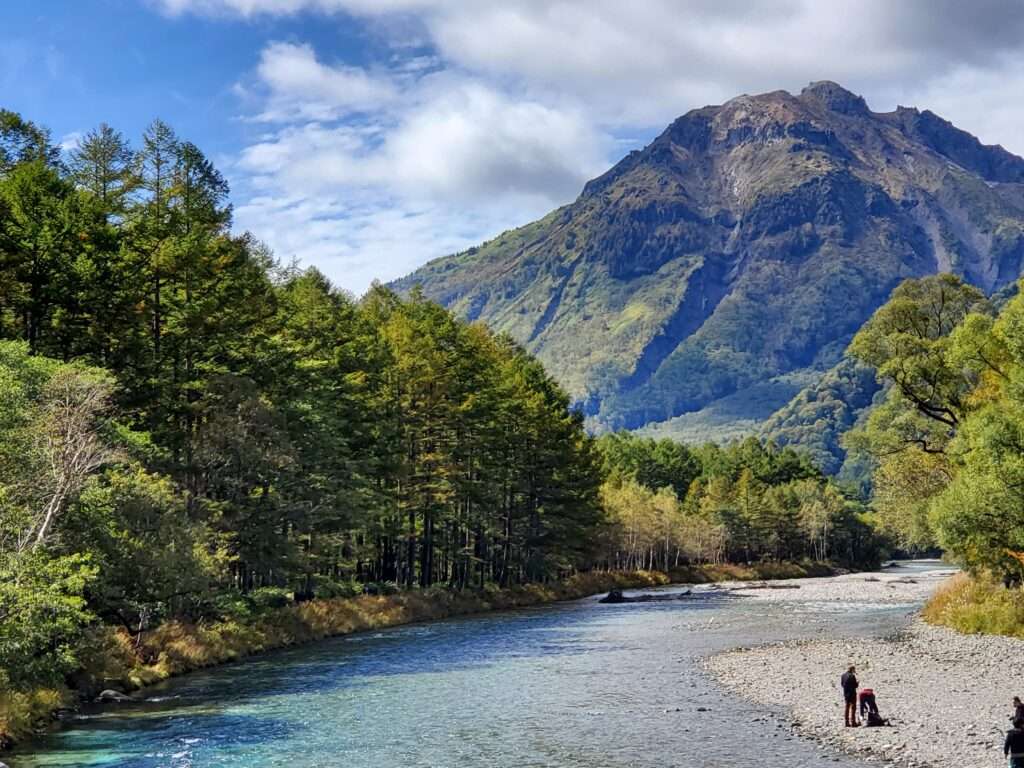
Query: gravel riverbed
(947, 695)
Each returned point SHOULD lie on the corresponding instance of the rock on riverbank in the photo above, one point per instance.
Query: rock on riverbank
(948, 695)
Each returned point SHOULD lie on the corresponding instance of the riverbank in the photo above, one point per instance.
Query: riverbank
(947, 694)
(120, 663)
(977, 605)
(117, 661)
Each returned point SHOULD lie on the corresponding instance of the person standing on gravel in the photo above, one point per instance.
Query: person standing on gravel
(849, 684)
(1013, 747)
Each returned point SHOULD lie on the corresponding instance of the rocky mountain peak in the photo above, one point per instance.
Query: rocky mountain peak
(744, 245)
(834, 97)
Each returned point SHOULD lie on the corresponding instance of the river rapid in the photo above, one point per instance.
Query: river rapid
(572, 685)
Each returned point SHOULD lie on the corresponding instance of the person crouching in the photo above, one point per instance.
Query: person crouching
(869, 714)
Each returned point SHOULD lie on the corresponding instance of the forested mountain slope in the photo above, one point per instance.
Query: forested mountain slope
(747, 242)
(818, 416)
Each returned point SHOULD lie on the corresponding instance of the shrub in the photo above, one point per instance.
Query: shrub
(326, 589)
(380, 588)
(22, 711)
(268, 598)
(977, 605)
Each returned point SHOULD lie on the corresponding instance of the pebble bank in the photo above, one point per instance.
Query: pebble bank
(947, 695)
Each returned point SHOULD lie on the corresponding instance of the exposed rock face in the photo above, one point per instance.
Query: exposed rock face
(747, 241)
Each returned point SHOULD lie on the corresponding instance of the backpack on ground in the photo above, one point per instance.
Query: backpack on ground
(874, 720)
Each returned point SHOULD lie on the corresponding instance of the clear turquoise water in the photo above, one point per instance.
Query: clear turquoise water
(578, 684)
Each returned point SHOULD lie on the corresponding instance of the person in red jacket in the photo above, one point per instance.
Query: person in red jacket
(869, 713)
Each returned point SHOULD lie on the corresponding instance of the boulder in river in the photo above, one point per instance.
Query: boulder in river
(616, 596)
(111, 696)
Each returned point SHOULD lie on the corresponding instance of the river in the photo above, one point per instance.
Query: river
(571, 685)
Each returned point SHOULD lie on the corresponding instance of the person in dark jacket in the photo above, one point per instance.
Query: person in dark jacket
(1018, 709)
(849, 684)
(1013, 747)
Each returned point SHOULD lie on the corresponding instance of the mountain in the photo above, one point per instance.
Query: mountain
(707, 279)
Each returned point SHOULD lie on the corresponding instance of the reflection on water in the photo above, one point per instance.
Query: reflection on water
(579, 684)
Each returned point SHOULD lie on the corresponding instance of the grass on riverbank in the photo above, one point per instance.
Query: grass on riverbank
(21, 711)
(116, 660)
(707, 574)
(977, 605)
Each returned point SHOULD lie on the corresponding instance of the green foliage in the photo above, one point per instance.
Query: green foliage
(767, 462)
(908, 342)
(949, 440)
(746, 502)
(42, 613)
(191, 432)
(652, 463)
(816, 419)
(22, 141)
(154, 562)
(733, 417)
(977, 605)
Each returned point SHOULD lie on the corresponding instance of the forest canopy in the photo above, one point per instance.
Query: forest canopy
(190, 429)
(948, 442)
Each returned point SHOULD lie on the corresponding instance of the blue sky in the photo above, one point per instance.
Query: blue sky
(367, 136)
(74, 63)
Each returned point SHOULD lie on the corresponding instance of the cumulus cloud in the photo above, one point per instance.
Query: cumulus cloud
(449, 141)
(643, 62)
(485, 114)
(975, 100)
(69, 142)
(369, 174)
(302, 87)
(355, 238)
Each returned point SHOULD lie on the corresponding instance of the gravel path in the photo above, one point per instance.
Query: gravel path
(947, 695)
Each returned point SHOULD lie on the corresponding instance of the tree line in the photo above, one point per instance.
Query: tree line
(947, 444)
(671, 505)
(184, 420)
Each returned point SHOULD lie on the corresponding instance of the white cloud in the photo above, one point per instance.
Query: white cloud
(453, 146)
(69, 142)
(465, 141)
(972, 99)
(288, 7)
(648, 62)
(354, 238)
(419, 165)
(302, 87)
(485, 114)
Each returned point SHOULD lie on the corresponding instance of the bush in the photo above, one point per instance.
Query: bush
(227, 605)
(977, 605)
(21, 712)
(380, 588)
(326, 589)
(268, 598)
(246, 606)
